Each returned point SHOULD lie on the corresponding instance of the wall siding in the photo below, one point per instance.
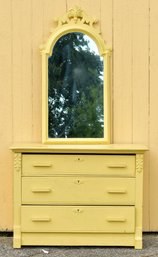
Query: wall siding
(6, 124)
(131, 29)
(153, 124)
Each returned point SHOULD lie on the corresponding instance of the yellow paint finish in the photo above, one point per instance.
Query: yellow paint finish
(104, 199)
(80, 149)
(77, 219)
(111, 165)
(93, 239)
(78, 190)
(85, 24)
(17, 200)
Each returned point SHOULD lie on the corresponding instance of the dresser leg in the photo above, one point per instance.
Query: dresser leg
(138, 238)
(138, 244)
(17, 238)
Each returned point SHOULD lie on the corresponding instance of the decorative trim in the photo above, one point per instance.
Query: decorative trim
(76, 15)
(75, 20)
(108, 52)
(139, 163)
(17, 162)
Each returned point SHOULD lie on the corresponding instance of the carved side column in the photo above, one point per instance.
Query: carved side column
(17, 201)
(139, 200)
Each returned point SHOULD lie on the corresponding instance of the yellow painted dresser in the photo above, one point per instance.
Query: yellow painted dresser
(78, 195)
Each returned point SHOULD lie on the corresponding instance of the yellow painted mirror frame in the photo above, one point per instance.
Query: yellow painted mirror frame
(76, 20)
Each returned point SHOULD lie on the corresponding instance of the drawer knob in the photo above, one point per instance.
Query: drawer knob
(116, 219)
(41, 190)
(41, 219)
(119, 165)
(116, 191)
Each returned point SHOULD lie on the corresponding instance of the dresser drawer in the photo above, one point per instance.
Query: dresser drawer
(77, 219)
(78, 190)
(55, 164)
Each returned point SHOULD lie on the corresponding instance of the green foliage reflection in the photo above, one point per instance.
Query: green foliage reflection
(75, 89)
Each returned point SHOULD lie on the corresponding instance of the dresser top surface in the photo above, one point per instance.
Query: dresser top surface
(111, 148)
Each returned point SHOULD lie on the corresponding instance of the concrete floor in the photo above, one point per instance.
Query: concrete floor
(150, 249)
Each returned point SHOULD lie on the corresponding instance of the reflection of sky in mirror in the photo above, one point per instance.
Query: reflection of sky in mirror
(92, 45)
(94, 49)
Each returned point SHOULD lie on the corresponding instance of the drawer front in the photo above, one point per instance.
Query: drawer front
(78, 190)
(51, 164)
(78, 219)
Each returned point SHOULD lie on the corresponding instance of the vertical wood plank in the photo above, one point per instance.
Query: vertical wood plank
(140, 79)
(140, 70)
(37, 40)
(153, 145)
(17, 73)
(27, 71)
(122, 76)
(106, 21)
(22, 71)
(52, 10)
(5, 116)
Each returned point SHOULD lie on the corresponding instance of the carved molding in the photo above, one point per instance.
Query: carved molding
(139, 163)
(76, 15)
(17, 162)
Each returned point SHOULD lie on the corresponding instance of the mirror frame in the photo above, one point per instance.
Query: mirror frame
(75, 20)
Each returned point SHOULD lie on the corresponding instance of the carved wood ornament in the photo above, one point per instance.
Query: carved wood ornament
(17, 162)
(139, 163)
(76, 15)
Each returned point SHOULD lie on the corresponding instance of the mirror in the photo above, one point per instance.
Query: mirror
(75, 88)
(75, 82)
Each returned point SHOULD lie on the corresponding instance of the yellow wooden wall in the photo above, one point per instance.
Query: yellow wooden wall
(130, 27)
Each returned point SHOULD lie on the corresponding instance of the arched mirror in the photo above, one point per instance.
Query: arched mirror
(75, 83)
(75, 88)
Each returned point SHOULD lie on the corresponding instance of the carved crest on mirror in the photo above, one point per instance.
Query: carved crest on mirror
(76, 15)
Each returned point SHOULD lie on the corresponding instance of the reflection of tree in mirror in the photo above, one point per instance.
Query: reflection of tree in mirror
(75, 97)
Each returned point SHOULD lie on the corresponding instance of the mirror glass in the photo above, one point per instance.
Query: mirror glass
(75, 88)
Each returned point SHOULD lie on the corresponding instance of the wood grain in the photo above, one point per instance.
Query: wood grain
(37, 40)
(140, 85)
(153, 115)
(6, 129)
(122, 73)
